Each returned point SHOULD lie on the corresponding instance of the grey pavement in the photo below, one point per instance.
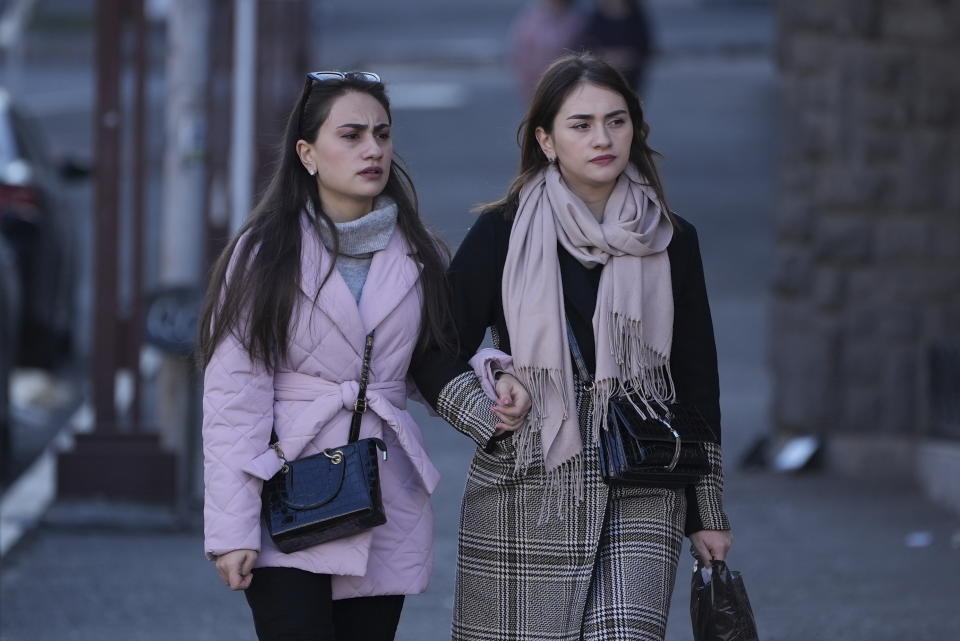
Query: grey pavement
(823, 557)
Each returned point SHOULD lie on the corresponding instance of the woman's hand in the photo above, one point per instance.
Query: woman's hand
(236, 568)
(711, 545)
(513, 402)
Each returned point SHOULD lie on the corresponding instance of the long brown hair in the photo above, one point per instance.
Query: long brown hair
(556, 83)
(256, 302)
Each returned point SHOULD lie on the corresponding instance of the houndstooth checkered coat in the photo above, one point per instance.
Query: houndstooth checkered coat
(606, 570)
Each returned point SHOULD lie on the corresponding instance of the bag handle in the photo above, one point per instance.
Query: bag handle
(331, 491)
(578, 357)
(359, 406)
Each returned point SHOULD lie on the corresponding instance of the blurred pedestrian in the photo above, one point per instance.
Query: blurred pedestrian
(540, 33)
(619, 32)
(583, 242)
(335, 249)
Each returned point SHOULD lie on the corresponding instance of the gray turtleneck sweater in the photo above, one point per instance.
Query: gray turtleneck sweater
(359, 240)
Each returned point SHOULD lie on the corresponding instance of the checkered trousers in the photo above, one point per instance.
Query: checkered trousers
(604, 571)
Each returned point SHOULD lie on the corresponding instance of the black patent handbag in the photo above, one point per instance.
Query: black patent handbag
(666, 450)
(649, 448)
(329, 495)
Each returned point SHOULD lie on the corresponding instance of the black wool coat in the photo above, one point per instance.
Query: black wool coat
(606, 569)
(475, 277)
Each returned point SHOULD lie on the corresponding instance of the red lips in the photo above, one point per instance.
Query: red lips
(606, 159)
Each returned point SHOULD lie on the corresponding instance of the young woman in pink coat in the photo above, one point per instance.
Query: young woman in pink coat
(334, 250)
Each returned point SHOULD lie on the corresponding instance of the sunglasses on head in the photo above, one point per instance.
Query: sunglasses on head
(325, 76)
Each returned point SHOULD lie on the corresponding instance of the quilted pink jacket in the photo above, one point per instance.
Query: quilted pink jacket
(308, 401)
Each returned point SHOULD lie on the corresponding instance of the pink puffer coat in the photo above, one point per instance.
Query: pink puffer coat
(308, 401)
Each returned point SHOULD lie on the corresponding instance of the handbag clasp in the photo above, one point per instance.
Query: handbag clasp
(335, 456)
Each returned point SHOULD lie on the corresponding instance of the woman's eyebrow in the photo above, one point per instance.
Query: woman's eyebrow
(617, 112)
(360, 127)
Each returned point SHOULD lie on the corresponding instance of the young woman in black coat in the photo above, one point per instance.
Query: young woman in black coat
(583, 242)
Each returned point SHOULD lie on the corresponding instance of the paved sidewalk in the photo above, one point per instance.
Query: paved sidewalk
(823, 558)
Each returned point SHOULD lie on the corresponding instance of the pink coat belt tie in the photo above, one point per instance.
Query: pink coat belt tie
(386, 399)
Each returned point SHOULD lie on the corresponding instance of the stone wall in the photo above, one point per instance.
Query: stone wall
(867, 273)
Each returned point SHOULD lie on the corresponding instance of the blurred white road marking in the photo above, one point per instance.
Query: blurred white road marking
(426, 95)
(920, 539)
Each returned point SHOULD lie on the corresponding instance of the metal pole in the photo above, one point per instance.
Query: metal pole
(110, 463)
(183, 193)
(244, 93)
(282, 29)
(220, 114)
(106, 205)
(184, 196)
(140, 159)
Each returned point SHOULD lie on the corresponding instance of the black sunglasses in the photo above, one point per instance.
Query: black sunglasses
(327, 76)
(324, 76)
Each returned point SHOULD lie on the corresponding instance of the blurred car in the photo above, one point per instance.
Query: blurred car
(36, 224)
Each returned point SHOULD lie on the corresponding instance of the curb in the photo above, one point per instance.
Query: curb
(27, 499)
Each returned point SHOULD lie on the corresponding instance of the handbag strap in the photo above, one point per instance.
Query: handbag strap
(359, 406)
(578, 356)
(581, 365)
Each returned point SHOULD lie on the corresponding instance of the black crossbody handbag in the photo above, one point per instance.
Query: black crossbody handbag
(663, 450)
(328, 495)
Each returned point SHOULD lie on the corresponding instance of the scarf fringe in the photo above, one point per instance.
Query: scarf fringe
(563, 489)
(563, 485)
(599, 397)
(644, 373)
(643, 369)
(538, 382)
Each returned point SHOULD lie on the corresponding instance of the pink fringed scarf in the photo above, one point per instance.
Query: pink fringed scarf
(632, 323)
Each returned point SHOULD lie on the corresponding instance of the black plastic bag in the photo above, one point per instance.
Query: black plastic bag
(719, 607)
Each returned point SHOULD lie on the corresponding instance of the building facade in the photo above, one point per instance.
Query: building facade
(866, 318)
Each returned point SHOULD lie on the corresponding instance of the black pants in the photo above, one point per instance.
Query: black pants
(295, 605)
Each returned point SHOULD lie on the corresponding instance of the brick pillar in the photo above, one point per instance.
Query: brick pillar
(868, 220)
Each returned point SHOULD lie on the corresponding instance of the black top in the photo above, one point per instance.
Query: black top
(475, 279)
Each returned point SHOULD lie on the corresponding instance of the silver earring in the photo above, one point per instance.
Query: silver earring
(311, 171)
